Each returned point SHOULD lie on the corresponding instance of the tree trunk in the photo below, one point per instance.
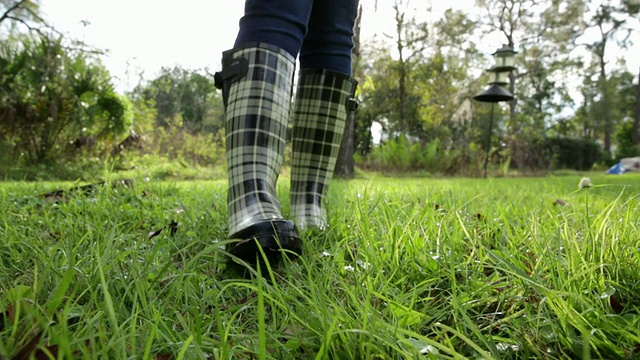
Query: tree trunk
(606, 113)
(345, 163)
(636, 122)
(402, 90)
(402, 73)
(512, 90)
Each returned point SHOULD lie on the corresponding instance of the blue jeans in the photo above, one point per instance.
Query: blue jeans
(320, 31)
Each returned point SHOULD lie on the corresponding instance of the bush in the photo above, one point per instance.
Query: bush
(199, 149)
(624, 136)
(159, 167)
(572, 153)
(55, 101)
(529, 154)
(400, 155)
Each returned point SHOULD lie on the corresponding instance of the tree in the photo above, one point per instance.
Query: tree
(184, 99)
(51, 99)
(345, 163)
(636, 121)
(443, 80)
(610, 18)
(621, 111)
(410, 41)
(544, 34)
(21, 13)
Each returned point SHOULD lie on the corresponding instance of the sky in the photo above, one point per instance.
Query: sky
(145, 35)
(142, 36)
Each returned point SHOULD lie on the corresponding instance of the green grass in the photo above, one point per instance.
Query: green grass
(462, 268)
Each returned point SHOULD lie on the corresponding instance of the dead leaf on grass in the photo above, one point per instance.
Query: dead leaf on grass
(173, 228)
(155, 233)
(615, 304)
(29, 348)
(559, 202)
(10, 312)
(3, 320)
(64, 195)
(245, 299)
(50, 353)
(293, 330)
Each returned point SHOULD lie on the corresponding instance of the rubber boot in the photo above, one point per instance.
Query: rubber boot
(323, 101)
(256, 82)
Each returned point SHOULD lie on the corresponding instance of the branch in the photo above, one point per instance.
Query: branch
(84, 50)
(27, 25)
(41, 20)
(6, 13)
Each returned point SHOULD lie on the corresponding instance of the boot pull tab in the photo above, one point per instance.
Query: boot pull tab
(218, 80)
(231, 73)
(352, 104)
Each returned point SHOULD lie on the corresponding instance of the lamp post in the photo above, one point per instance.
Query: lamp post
(504, 58)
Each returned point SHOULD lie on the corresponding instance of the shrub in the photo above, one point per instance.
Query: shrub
(572, 153)
(400, 155)
(529, 154)
(55, 101)
(624, 137)
(200, 149)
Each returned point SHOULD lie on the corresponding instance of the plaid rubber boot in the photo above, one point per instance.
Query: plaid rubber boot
(256, 82)
(323, 101)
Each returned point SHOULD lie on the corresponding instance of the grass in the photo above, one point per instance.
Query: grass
(410, 268)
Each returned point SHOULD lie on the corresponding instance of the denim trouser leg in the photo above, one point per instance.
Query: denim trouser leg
(282, 23)
(320, 31)
(329, 38)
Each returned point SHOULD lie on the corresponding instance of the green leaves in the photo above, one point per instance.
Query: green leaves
(55, 96)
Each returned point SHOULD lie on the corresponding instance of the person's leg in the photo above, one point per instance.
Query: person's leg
(256, 80)
(329, 39)
(282, 23)
(324, 98)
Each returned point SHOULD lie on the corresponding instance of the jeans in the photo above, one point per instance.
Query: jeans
(320, 31)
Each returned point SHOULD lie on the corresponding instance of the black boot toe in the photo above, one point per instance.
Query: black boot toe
(276, 238)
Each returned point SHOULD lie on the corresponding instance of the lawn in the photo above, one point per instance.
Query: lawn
(410, 268)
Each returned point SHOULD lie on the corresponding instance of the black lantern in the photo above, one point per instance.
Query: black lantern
(504, 58)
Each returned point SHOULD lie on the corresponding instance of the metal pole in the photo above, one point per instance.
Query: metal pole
(488, 145)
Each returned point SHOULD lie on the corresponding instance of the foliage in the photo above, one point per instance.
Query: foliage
(183, 99)
(401, 155)
(178, 116)
(571, 153)
(588, 121)
(55, 102)
(18, 15)
(624, 137)
(200, 149)
(554, 153)
(529, 154)
(610, 19)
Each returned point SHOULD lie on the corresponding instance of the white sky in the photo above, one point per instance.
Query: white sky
(145, 35)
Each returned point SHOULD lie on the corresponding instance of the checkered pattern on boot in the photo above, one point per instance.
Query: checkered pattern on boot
(323, 101)
(258, 82)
